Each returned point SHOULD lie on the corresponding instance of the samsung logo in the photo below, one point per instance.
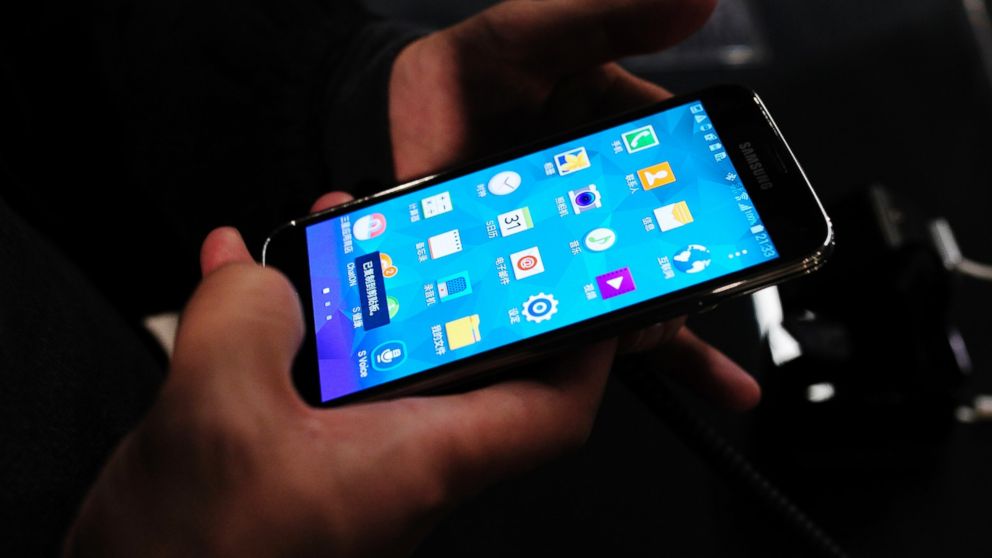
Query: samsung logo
(754, 163)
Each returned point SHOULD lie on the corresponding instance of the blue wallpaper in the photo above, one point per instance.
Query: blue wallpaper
(533, 244)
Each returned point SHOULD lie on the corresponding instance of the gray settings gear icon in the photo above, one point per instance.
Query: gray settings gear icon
(540, 307)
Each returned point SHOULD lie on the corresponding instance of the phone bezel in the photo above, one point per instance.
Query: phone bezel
(789, 208)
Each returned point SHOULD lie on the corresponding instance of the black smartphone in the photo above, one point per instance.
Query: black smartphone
(626, 222)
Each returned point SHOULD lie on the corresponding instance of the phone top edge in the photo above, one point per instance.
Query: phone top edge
(497, 157)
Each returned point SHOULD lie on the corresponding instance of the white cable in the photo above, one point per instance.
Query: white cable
(974, 269)
(770, 316)
(950, 254)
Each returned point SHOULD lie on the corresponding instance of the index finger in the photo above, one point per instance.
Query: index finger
(561, 37)
(330, 200)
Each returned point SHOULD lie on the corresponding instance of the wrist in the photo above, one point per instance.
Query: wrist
(194, 497)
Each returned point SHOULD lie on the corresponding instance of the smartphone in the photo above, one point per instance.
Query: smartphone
(630, 221)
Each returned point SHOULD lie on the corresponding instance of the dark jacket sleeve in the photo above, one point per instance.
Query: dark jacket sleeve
(166, 118)
(128, 129)
(356, 145)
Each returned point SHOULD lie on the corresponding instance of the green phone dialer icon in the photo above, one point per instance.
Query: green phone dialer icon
(640, 139)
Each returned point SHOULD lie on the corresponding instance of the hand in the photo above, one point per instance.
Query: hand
(230, 461)
(523, 69)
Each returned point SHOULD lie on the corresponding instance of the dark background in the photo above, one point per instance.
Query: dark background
(880, 92)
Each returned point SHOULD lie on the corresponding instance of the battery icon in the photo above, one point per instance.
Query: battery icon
(757, 229)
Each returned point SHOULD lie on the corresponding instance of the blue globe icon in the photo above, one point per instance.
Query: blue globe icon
(692, 259)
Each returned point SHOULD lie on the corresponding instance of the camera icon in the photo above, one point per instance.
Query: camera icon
(585, 199)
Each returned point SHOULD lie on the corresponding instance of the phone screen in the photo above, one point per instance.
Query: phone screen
(533, 244)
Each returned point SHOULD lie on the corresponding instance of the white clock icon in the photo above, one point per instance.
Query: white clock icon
(504, 183)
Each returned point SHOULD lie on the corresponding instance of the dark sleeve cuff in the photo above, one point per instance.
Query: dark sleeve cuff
(356, 146)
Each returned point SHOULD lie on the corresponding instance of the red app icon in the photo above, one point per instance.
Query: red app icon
(369, 226)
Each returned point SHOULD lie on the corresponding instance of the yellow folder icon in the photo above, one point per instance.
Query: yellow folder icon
(463, 331)
(673, 216)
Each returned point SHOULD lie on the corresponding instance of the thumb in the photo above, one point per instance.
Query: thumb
(223, 245)
(241, 330)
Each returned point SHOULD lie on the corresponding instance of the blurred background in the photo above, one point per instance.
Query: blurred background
(874, 422)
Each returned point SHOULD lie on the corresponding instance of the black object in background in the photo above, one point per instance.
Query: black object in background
(874, 335)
